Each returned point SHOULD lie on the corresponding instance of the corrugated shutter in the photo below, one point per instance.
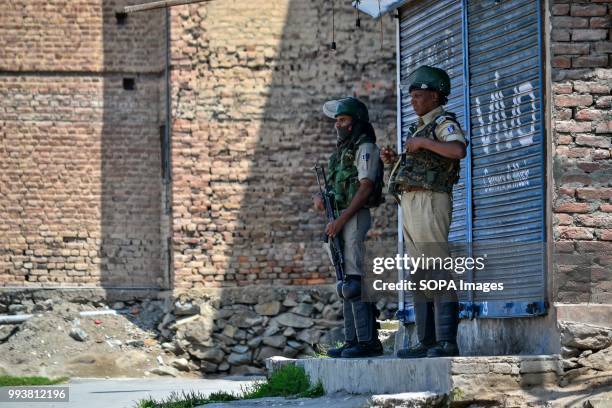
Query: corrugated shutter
(499, 201)
(507, 154)
(430, 33)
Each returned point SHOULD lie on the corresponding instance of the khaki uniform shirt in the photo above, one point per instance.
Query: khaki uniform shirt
(427, 214)
(447, 131)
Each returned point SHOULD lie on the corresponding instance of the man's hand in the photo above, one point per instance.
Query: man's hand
(414, 144)
(388, 155)
(318, 203)
(334, 228)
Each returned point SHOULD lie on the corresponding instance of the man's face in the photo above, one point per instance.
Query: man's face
(344, 121)
(424, 100)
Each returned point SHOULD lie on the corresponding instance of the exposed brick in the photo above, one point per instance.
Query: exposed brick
(559, 34)
(560, 9)
(561, 62)
(605, 235)
(573, 100)
(604, 127)
(570, 22)
(600, 154)
(599, 221)
(567, 191)
(594, 246)
(591, 87)
(589, 34)
(589, 10)
(606, 208)
(564, 219)
(594, 141)
(563, 139)
(600, 22)
(604, 102)
(573, 127)
(564, 246)
(584, 180)
(589, 114)
(563, 88)
(570, 48)
(573, 152)
(602, 193)
(602, 47)
(572, 208)
(575, 233)
(591, 61)
(591, 166)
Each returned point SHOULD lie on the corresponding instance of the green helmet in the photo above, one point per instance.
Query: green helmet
(346, 106)
(426, 77)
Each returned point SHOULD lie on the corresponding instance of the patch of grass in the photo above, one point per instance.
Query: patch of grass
(189, 399)
(287, 381)
(10, 381)
(314, 392)
(456, 394)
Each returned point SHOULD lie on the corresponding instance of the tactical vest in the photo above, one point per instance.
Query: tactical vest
(343, 175)
(425, 168)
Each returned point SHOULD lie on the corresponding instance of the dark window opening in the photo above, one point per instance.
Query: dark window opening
(121, 18)
(129, 84)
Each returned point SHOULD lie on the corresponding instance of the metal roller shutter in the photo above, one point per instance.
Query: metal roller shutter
(507, 154)
(492, 51)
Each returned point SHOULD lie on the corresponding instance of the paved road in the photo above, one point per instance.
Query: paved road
(123, 393)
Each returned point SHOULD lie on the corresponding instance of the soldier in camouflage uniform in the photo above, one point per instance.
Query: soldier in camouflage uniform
(355, 177)
(422, 181)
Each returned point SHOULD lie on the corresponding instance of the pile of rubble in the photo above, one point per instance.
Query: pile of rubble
(587, 354)
(235, 330)
(57, 338)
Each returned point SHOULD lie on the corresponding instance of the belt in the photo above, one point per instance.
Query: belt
(410, 189)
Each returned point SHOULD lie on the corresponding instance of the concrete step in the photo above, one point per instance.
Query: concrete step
(459, 378)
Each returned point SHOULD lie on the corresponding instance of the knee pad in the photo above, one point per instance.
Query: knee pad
(351, 288)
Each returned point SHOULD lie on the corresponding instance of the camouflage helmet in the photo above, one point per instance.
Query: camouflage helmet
(432, 78)
(346, 106)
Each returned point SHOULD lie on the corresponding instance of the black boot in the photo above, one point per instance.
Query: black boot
(443, 349)
(424, 319)
(447, 321)
(372, 348)
(418, 351)
(337, 352)
(350, 337)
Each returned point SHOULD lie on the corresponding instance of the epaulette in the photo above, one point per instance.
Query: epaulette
(444, 117)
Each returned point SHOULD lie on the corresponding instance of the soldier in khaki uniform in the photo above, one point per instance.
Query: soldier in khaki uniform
(355, 177)
(422, 180)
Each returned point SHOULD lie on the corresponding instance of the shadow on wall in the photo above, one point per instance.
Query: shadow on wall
(134, 57)
(249, 83)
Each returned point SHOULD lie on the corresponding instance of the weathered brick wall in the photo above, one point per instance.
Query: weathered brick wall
(582, 128)
(79, 155)
(249, 79)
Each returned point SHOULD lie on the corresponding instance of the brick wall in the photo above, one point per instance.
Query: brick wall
(249, 79)
(79, 155)
(582, 129)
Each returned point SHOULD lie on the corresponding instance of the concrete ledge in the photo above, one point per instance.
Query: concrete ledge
(461, 378)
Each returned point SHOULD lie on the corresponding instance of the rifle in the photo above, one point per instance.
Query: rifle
(335, 244)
